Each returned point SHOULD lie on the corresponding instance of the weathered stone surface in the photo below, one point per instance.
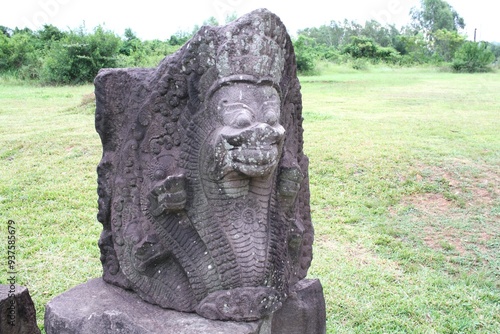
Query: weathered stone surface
(303, 312)
(17, 311)
(203, 185)
(98, 307)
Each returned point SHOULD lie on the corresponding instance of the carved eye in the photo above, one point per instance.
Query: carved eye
(271, 117)
(242, 120)
(237, 115)
(271, 112)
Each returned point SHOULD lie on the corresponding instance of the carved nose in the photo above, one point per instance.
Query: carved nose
(260, 133)
(268, 134)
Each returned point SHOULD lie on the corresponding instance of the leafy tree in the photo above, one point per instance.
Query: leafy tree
(131, 43)
(333, 38)
(180, 38)
(446, 43)
(336, 34)
(27, 31)
(4, 52)
(102, 49)
(129, 34)
(413, 46)
(378, 33)
(137, 53)
(50, 33)
(436, 15)
(473, 57)
(325, 35)
(21, 52)
(351, 29)
(5, 31)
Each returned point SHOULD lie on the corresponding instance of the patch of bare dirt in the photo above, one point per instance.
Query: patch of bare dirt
(463, 243)
(467, 182)
(430, 203)
(474, 189)
(487, 188)
(449, 238)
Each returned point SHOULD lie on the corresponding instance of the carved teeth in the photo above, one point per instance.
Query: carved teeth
(257, 156)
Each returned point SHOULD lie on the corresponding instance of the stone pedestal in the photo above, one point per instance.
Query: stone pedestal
(17, 311)
(98, 307)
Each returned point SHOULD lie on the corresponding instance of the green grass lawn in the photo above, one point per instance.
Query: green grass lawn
(405, 195)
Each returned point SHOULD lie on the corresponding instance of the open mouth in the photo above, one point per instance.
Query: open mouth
(259, 156)
(254, 151)
(255, 161)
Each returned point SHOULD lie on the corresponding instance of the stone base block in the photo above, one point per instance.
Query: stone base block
(17, 311)
(98, 307)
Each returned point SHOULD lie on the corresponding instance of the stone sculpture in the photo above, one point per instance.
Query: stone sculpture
(203, 184)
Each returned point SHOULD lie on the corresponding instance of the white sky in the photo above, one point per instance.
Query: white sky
(161, 19)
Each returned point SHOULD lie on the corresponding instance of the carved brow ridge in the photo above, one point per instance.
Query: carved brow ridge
(232, 107)
(235, 106)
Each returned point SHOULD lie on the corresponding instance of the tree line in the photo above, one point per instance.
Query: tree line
(434, 36)
(53, 56)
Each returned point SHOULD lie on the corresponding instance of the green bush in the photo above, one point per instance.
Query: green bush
(305, 62)
(364, 47)
(31, 69)
(328, 53)
(388, 54)
(305, 54)
(59, 57)
(4, 52)
(78, 57)
(16, 51)
(361, 47)
(473, 57)
(145, 54)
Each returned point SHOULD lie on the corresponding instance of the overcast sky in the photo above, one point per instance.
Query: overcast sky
(161, 19)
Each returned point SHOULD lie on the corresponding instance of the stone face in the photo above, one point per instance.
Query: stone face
(98, 307)
(203, 184)
(17, 311)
